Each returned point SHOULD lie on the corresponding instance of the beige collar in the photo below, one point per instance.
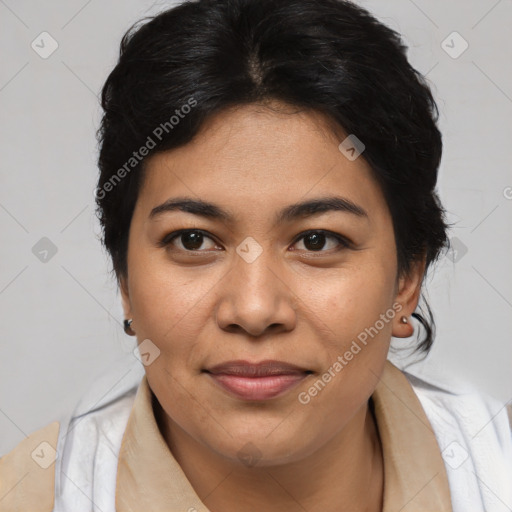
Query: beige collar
(414, 473)
(149, 478)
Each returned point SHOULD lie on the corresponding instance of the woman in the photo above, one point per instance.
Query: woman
(268, 198)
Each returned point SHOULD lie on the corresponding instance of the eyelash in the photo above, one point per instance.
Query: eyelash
(344, 242)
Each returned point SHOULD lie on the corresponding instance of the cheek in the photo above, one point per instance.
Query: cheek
(354, 309)
(169, 304)
(353, 301)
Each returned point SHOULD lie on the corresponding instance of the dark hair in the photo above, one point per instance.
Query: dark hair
(330, 56)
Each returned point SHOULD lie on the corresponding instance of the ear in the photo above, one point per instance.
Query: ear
(125, 297)
(408, 294)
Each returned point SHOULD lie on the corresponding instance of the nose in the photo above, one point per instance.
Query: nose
(256, 299)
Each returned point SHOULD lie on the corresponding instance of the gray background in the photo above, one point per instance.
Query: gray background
(61, 318)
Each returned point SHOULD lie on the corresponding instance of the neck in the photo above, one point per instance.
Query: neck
(344, 474)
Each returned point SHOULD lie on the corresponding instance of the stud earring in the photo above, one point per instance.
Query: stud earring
(128, 327)
(404, 320)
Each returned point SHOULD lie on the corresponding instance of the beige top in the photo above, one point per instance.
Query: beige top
(149, 478)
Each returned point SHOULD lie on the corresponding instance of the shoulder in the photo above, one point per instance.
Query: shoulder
(464, 405)
(27, 472)
(83, 443)
(465, 410)
(474, 434)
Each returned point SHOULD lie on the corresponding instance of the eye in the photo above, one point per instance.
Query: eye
(189, 240)
(316, 240)
(196, 240)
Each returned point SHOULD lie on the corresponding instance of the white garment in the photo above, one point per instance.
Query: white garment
(90, 439)
(471, 429)
(475, 438)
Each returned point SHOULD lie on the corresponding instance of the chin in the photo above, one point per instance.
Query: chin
(256, 447)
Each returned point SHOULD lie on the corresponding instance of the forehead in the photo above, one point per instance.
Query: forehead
(254, 155)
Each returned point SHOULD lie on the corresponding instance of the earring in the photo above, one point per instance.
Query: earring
(404, 320)
(128, 327)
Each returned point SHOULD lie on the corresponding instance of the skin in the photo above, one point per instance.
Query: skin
(293, 303)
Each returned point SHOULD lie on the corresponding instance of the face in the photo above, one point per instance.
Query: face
(250, 278)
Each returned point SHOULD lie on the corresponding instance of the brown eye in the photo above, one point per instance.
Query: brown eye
(189, 240)
(314, 241)
(320, 241)
(192, 240)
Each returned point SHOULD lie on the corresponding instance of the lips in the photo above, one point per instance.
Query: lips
(257, 381)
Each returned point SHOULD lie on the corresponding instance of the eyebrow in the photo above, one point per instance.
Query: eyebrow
(287, 214)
